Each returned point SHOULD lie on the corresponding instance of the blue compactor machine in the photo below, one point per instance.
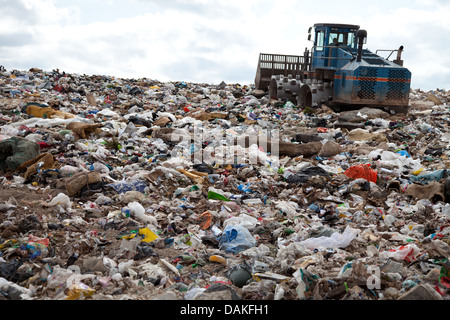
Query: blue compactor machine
(337, 72)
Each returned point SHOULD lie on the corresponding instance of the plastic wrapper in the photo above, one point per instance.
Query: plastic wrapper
(124, 186)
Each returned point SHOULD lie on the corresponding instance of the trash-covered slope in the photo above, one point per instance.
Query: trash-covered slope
(137, 189)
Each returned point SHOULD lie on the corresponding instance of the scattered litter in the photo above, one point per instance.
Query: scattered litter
(139, 189)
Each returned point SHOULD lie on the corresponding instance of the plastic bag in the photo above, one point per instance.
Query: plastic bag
(79, 292)
(361, 171)
(193, 293)
(123, 186)
(243, 220)
(138, 211)
(9, 131)
(68, 170)
(336, 240)
(289, 208)
(58, 277)
(236, 238)
(407, 252)
(15, 151)
(425, 178)
(62, 200)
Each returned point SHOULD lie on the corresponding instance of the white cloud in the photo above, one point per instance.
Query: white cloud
(209, 41)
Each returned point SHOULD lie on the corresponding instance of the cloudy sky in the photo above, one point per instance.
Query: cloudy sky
(211, 41)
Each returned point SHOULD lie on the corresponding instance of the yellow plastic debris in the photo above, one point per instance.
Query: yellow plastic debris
(76, 291)
(148, 234)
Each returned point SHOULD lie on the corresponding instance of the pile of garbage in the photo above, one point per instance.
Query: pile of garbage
(135, 189)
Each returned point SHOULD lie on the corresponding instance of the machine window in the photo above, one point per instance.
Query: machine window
(350, 39)
(338, 38)
(333, 38)
(320, 40)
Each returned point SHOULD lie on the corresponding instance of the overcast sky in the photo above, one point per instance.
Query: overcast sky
(211, 41)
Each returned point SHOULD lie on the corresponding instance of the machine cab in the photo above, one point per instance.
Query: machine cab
(333, 45)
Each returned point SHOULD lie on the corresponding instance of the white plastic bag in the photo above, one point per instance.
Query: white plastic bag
(138, 211)
(9, 131)
(407, 252)
(243, 220)
(61, 199)
(193, 293)
(68, 170)
(288, 207)
(336, 240)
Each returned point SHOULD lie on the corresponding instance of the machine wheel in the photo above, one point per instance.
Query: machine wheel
(304, 98)
(286, 88)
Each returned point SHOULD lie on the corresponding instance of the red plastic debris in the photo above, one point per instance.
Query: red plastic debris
(361, 171)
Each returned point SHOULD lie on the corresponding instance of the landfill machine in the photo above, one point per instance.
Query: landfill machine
(337, 72)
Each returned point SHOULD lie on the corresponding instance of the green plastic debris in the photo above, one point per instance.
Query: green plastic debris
(216, 196)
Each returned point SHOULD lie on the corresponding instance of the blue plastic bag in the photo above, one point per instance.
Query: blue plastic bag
(236, 238)
(404, 153)
(122, 186)
(426, 178)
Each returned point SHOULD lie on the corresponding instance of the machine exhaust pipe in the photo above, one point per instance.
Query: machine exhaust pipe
(361, 35)
(399, 60)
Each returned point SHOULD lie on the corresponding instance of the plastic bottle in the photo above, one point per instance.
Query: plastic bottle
(216, 231)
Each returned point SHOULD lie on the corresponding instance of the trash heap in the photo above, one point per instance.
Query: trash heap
(104, 196)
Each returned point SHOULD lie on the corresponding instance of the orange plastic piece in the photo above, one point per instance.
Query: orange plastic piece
(218, 259)
(207, 220)
(361, 171)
